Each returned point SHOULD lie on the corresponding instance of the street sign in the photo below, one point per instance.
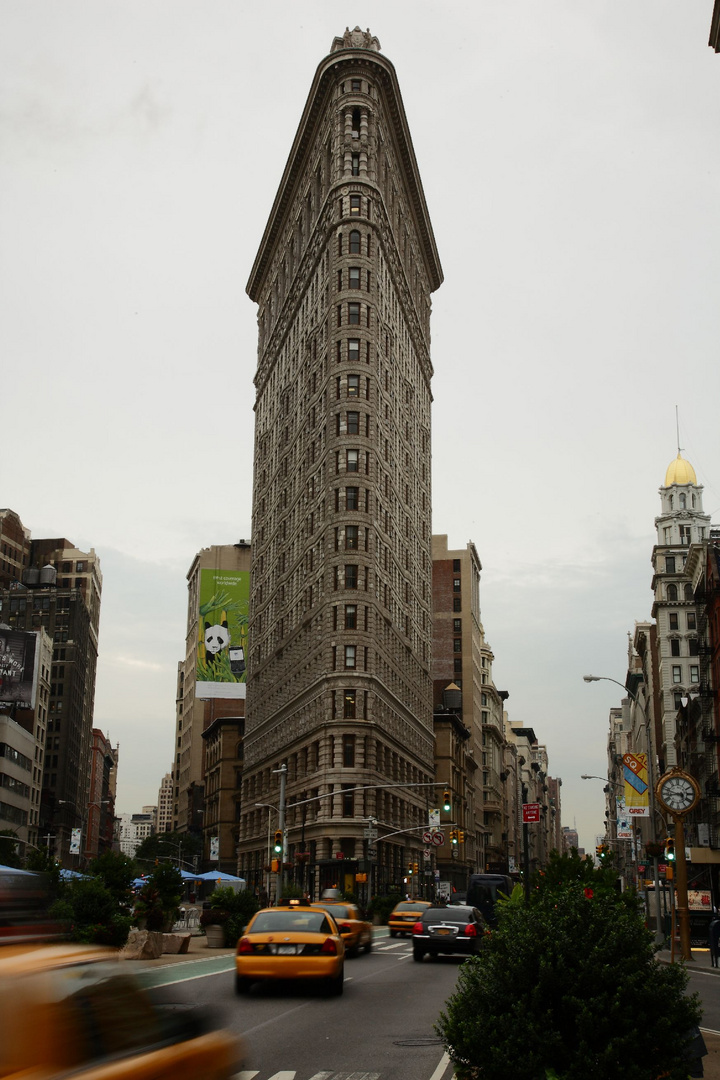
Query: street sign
(372, 854)
(434, 817)
(427, 853)
(427, 838)
(455, 853)
(438, 839)
(370, 834)
(531, 812)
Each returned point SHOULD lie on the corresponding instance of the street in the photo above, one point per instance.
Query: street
(380, 1029)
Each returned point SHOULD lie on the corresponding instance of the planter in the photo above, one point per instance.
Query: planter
(215, 935)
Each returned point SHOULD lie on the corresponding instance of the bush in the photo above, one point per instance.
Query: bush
(381, 906)
(233, 909)
(158, 900)
(91, 914)
(568, 986)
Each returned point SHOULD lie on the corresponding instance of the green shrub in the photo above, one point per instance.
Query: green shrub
(381, 906)
(235, 908)
(568, 985)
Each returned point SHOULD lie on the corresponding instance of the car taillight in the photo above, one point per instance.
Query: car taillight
(329, 948)
(345, 926)
(470, 930)
(418, 928)
(244, 946)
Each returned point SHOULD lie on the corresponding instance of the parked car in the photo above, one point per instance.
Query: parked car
(293, 941)
(404, 915)
(456, 929)
(355, 931)
(482, 893)
(76, 1010)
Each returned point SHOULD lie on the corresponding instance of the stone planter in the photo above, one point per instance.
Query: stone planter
(215, 935)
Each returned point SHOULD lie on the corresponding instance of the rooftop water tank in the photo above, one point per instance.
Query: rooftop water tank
(48, 575)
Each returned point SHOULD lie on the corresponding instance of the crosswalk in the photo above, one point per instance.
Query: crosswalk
(291, 1074)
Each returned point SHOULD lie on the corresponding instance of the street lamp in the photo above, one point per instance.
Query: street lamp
(659, 936)
(270, 806)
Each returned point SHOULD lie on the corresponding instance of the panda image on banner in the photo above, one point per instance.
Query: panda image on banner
(217, 638)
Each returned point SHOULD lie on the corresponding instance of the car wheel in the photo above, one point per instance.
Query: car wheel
(393, 933)
(337, 985)
(418, 955)
(353, 951)
(242, 985)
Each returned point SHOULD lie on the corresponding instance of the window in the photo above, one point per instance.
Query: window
(676, 673)
(673, 620)
(351, 537)
(348, 802)
(456, 566)
(353, 423)
(683, 496)
(351, 576)
(355, 246)
(348, 747)
(691, 621)
(355, 84)
(457, 664)
(457, 603)
(349, 704)
(350, 656)
(457, 645)
(353, 385)
(350, 616)
(669, 564)
(672, 592)
(352, 458)
(694, 673)
(352, 495)
(354, 314)
(356, 165)
(457, 625)
(674, 647)
(694, 647)
(354, 276)
(456, 584)
(685, 534)
(353, 350)
(355, 205)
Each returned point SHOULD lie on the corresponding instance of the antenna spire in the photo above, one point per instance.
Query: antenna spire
(677, 428)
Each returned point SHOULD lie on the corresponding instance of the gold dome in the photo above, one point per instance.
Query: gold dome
(680, 471)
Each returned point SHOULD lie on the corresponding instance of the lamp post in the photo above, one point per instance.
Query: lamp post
(659, 936)
(270, 806)
(613, 783)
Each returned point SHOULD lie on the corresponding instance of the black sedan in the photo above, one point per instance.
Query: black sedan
(457, 929)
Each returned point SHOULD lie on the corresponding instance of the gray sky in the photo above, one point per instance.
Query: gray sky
(571, 160)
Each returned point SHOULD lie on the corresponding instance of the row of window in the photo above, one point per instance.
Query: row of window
(690, 616)
(354, 279)
(354, 313)
(671, 592)
(352, 386)
(355, 244)
(677, 673)
(352, 351)
(11, 754)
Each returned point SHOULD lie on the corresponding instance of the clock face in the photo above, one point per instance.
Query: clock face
(677, 793)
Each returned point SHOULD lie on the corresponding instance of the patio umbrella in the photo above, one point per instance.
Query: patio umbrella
(218, 875)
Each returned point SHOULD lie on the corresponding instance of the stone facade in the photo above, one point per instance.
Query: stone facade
(340, 633)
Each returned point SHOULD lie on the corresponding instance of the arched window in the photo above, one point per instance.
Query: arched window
(672, 592)
(683, 500)
(355, 242)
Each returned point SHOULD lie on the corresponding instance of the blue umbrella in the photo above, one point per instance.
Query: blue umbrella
(218, 875)
(14, 870)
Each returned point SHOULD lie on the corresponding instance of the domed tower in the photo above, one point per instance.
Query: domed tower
(680, 524)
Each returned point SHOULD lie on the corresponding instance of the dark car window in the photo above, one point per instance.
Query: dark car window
(411, 907)
(270, 922)
(337, 910)
(451, 915)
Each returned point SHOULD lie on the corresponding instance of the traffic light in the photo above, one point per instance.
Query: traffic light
(278, 841)
(410, 869)
(415, 868)
(453, 836)
(275, 866)
(447, 805)
(461, 836)
(598, 850)
(670, 849)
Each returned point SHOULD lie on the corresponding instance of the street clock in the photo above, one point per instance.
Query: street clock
(677, 792)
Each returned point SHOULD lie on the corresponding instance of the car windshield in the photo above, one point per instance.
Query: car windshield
(337, 910)
(411, 907)
(304, 922)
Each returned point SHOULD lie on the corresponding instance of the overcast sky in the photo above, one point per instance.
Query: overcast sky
(570, 154)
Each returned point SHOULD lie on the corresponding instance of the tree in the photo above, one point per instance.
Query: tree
(180, 849)
(117, 872)
(568, 986)
(158, 900)
(8, 849)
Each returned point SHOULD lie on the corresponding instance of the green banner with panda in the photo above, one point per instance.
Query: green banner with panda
(222, 633)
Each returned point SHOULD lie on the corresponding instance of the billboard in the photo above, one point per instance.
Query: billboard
(223, 601)
(19, 658)
(635, 776)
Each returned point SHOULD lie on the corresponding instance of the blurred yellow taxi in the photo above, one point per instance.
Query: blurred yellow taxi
(74, 1010)
(404, 916)
(292, 941)
(355, 931)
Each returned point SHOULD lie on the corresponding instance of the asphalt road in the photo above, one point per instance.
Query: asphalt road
(380, 1029)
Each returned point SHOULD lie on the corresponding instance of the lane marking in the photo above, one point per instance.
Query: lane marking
(442, 1067)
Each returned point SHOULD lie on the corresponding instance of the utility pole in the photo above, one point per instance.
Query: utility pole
(281, 825)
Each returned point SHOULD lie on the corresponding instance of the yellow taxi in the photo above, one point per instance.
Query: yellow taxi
(355, 931)
(291, 941)
(404, 916)
(75, 1010)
